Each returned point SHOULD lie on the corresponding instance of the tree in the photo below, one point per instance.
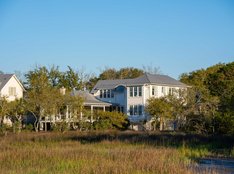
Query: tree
(41, 95)
(214, 90)
(159, 108)
(70, 79)
(129, 73)
(54, 76)
(17, 110)
(108, 74)
(4, 109)
(151, 69)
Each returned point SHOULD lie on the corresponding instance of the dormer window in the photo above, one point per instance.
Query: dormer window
(106, 93)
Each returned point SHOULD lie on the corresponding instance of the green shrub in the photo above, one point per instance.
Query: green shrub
(110, 120)
(60, 127)
(29, 128)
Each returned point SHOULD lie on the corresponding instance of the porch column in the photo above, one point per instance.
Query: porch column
(104, 108)
(91, 120)
(81, 115)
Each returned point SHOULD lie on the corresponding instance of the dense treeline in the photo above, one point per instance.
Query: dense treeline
(206, 107)
(45, 99)
(214, 91)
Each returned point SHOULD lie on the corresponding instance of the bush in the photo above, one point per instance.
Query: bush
(29, 128)
(110, 120)
(4, 129)
(60, 127)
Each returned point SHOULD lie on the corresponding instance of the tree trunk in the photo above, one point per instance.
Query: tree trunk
(161, 124)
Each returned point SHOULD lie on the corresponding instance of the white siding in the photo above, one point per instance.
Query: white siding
(12, 83)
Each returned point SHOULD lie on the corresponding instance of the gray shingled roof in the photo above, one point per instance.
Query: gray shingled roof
(4, 78)
(89, 99)
(144, 79)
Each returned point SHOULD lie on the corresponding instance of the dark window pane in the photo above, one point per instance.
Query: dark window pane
(112, 93)
(140, 91)
(131, 91)
(135, 109)
(131, 110)
(104, 93)
(100, 93)
(108, 93)
(135, 91)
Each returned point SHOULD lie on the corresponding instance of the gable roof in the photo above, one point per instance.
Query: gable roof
(4, 78)
(144, 79)
(89, 99)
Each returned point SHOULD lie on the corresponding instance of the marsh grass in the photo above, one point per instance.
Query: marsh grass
(93, 152)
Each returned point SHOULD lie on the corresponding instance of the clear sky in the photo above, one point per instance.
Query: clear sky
(176, 35)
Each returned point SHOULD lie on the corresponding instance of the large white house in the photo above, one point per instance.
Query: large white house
(131, 95)
(10, 87)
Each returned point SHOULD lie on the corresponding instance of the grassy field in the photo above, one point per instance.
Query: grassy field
(105, 152)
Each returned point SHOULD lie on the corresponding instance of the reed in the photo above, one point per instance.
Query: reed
(88, 153)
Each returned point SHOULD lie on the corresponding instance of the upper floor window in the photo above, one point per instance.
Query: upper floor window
(101, 93)
(135, 91)
(12, 91)
(112, 93)
(140, 91)
(170, 91)
(164, 90)
(106, 93)
(131, 91)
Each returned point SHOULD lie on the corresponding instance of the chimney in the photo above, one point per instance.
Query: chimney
(63, 91)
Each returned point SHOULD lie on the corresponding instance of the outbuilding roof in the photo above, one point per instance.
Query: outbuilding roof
(4, 78)
(144, 79)
(89, 99)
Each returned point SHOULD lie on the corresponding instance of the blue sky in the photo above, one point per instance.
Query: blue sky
(177, 36)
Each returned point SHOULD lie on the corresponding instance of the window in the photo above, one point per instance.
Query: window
(170, 91)
(104, 96)
(153, 92)
(164, 90)
(135, 110)
(140, 91)
(101, 94)
(140, 110)
(12, 91)
(135, 91)
(131, 109)
(174, 91)
(131, 91)
(108, 93)
(112, 93)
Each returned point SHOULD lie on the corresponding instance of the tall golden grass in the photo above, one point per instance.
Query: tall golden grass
(56, 153)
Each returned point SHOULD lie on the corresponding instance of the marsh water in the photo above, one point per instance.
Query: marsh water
(218, 165)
